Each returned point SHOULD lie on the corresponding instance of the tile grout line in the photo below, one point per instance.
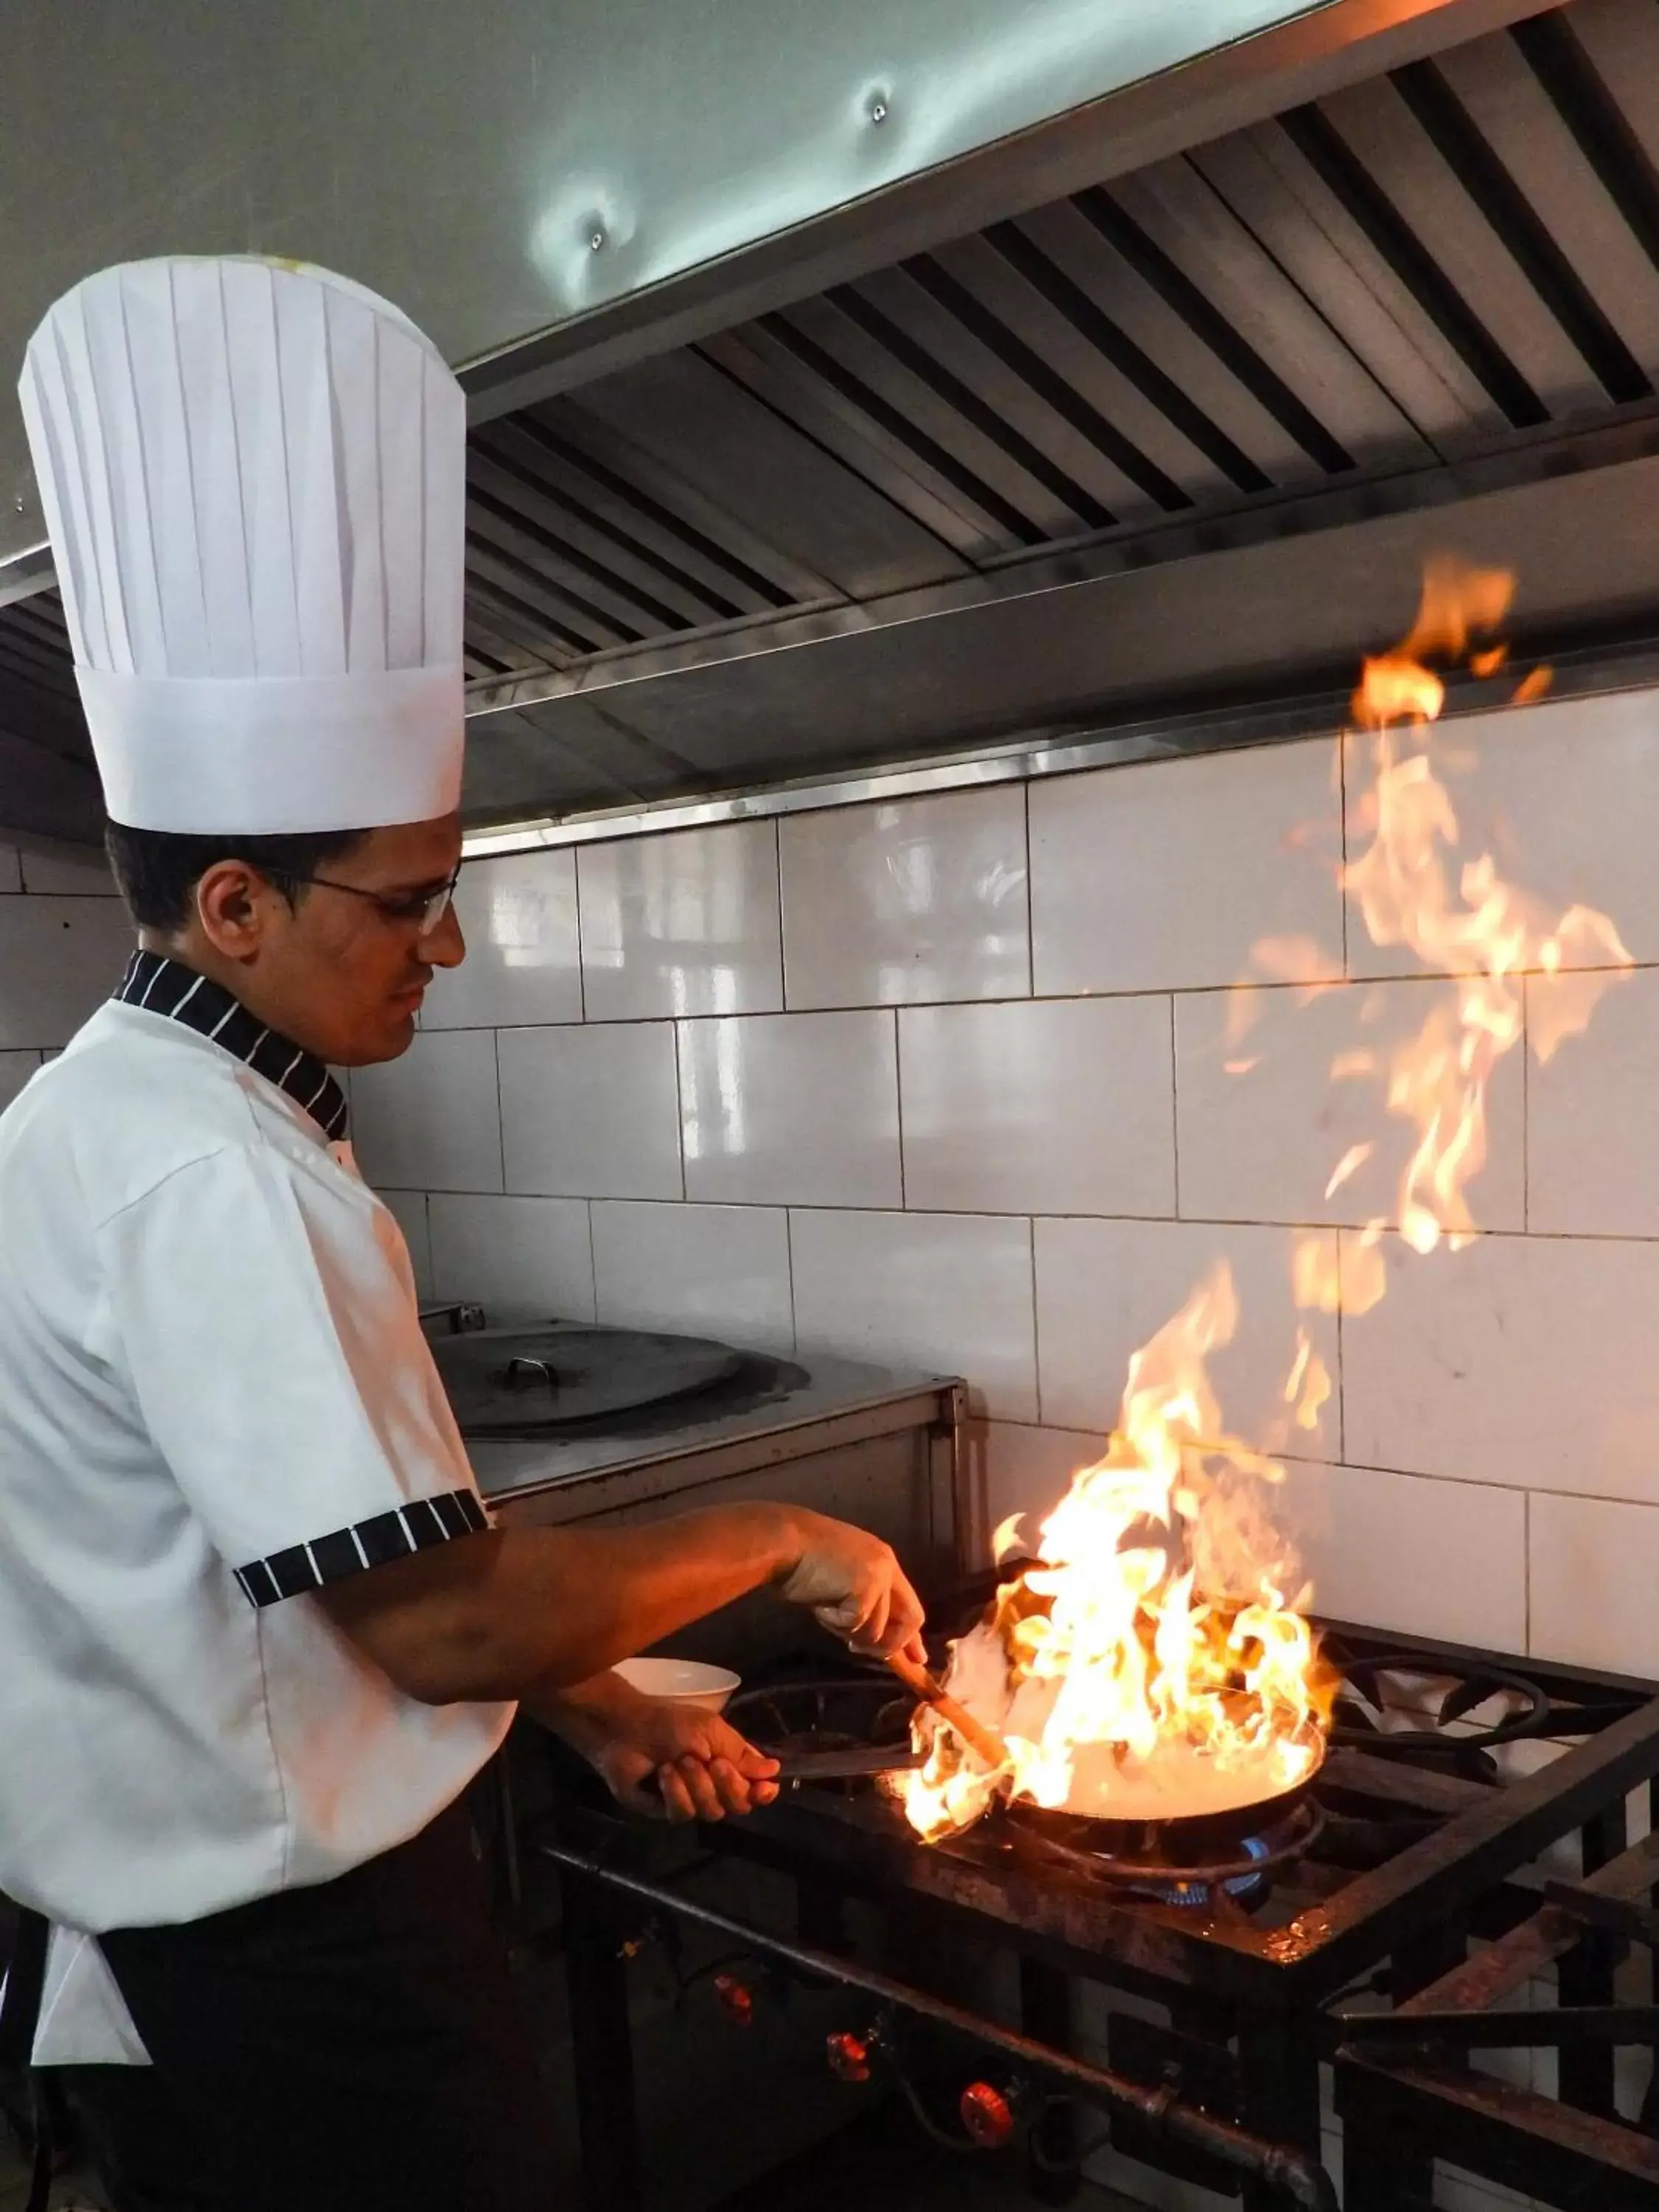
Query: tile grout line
(581, 947)
(1175, 1115)
(679, 1110)
(594, 1263)
(1030, 913)
(898, 1105)
(1417, 978)
(1526, 1105)
(1341, 1365)
(1037, 1328)
(1342, 835)
(789, 1269)
(777, 873)
(501, 1117)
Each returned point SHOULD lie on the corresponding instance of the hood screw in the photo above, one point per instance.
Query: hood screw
(597, 241)
(878, 111)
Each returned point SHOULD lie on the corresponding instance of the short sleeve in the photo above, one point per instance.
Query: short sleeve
(263, 1310)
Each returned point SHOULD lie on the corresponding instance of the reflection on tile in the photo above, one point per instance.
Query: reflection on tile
(1592, 1583)
(60, 960)
(948, 1293)
(1263, 1123)
(519, 915)
(16, 1069)
(1550, 791)
(1104, 1288)
(791, 1109)
(916, 899)
(521, 1259)
(76, 873)
(592, 1112)
(682, 924)
(720, 1271)
(429, 1121)
(408, 1209)
(1401, 1552)
(1063, 1107)
(1162, 876)
(1592, 1164)
(1520, 1360)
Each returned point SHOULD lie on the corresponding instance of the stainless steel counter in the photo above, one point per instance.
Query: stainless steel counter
(867, 1444)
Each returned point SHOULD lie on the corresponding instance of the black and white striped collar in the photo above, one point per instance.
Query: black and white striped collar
(167, 987)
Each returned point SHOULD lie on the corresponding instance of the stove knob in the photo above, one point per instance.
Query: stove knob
(735, 2001)
(849, 2057)
(987, 2115)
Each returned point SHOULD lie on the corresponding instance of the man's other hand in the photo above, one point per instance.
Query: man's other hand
(855, 1587)
(678, 1762)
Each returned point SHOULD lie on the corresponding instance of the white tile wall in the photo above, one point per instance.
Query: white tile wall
(1261, 1143)
(1063, 1107)
(592, 1112)
(1429, 1559)
(1592, 1158)
(1164, 876)
(1527, 1361)
(430, 1120)
(1489, 1465)
(59, 959)
(1023, 1471)
(948, 1292)
(1593, 1582)
(716, 1270)
(87, 874)
(1570, 834)
(520, 1258)
(1104, 1287)
(11, 870)
(523, 964)
(895, 904)
(780, 1109)
(684, 924)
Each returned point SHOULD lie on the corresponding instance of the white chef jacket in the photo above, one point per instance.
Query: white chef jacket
(215, 1397)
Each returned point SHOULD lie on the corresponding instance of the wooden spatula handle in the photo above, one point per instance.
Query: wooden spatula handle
(975, 1733)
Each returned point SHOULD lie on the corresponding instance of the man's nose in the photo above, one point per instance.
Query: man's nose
(444, 946)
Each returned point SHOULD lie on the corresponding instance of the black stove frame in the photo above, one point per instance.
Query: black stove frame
(1253, 1996)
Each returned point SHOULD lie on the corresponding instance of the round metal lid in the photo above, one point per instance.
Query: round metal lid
(553, 1374)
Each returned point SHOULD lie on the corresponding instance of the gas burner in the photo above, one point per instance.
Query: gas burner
(1362, 1713)
(845, 1727)
(1159, 1870)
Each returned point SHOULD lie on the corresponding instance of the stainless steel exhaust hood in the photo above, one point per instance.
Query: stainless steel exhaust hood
(1150, 405)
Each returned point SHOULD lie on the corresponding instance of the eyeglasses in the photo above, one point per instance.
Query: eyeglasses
(426, 909)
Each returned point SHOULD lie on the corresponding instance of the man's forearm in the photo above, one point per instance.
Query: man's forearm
(531, 1610)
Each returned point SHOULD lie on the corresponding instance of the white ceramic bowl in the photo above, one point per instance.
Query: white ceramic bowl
(687, 1682)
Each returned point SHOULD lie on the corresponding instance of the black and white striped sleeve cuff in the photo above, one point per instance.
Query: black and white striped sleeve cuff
(413, 1528)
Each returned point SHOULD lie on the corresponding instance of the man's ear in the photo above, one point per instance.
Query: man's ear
(235, 907)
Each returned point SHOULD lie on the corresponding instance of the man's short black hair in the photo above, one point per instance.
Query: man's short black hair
(157, 870)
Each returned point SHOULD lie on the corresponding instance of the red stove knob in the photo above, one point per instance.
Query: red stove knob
(849, 2057)
(986, 2115)
(735, 2001)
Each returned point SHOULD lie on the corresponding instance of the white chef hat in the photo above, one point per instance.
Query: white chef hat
(254, 480)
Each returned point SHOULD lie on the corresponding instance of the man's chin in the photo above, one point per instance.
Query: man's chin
(390, 1040)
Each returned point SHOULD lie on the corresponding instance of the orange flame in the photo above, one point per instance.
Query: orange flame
(1413, 888)
(1155, 1660)
(1152, 1661)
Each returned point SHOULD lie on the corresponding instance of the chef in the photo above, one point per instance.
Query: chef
(257, 1634)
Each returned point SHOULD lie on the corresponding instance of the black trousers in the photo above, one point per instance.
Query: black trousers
(356, 2047)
